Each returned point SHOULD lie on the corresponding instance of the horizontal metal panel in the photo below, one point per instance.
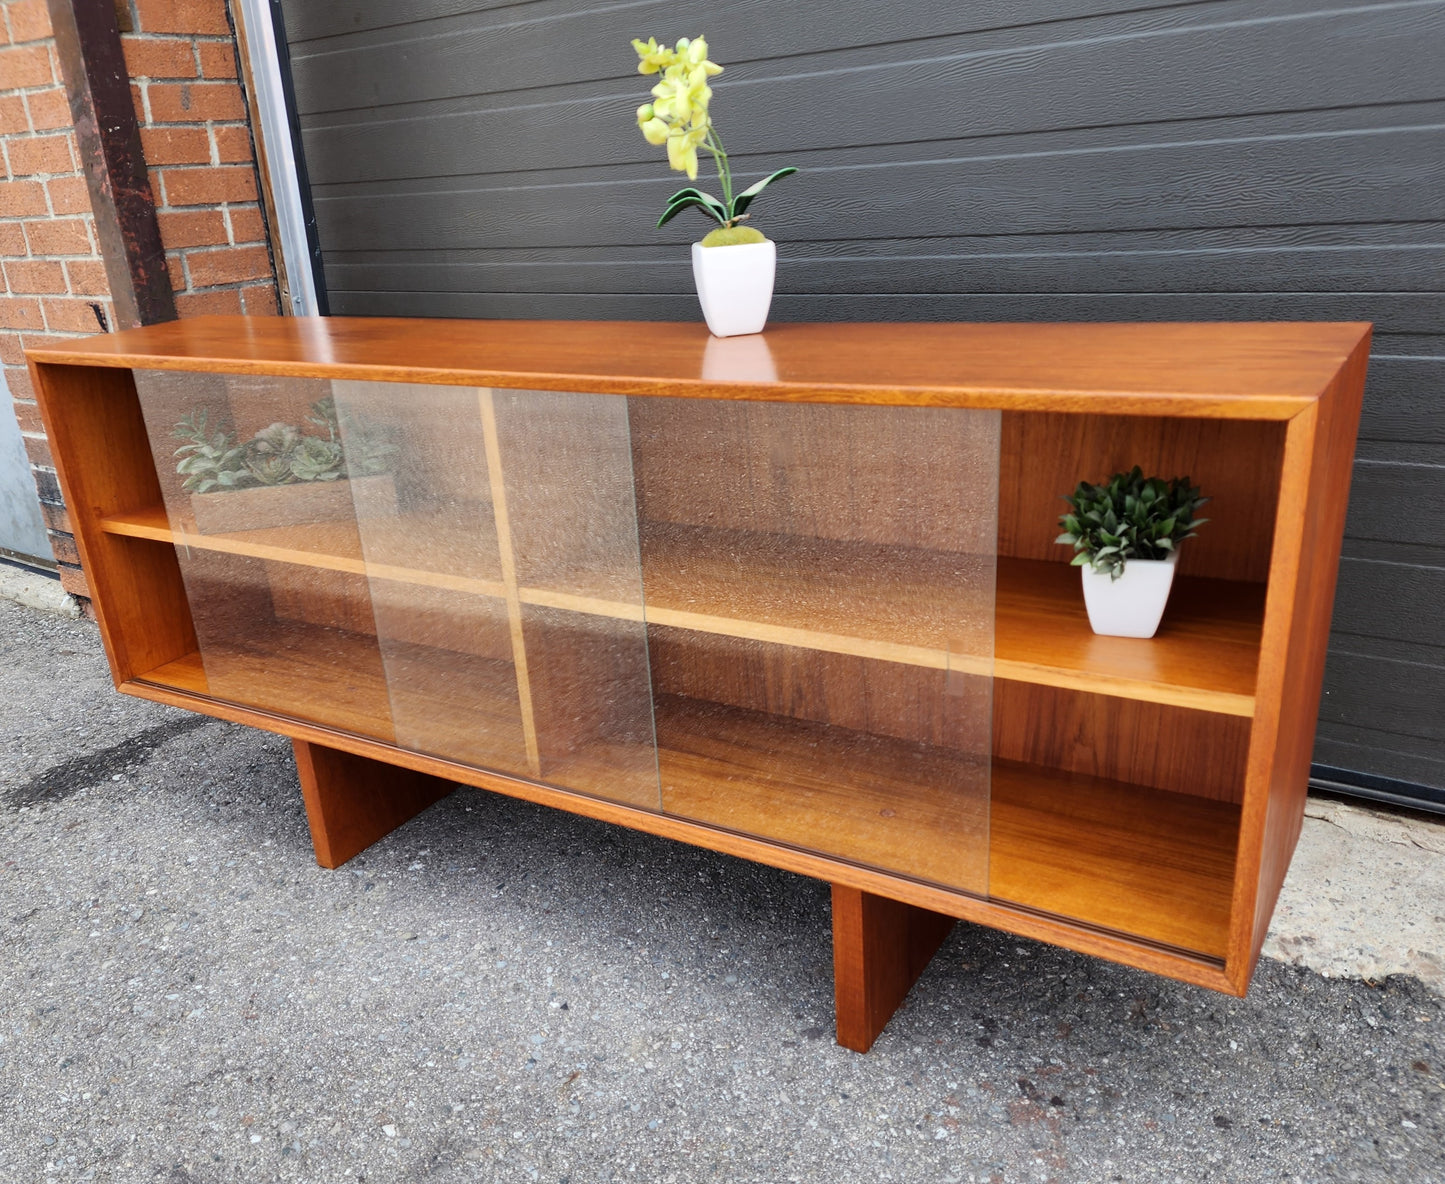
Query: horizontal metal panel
(1237, 259)
(1325, 176)
(1391, 697)
(1391, 600)
(1396, 502)
(363, 22)
(934, 72)
(1403, 313)
(1383, 756)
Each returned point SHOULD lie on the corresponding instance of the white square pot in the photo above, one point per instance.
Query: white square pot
(1132, 605)
(735, 285)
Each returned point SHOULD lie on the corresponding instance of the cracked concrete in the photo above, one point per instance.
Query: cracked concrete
(501, 992)
(1365, 897)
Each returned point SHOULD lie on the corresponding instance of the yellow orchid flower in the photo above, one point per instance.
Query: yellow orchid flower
(654, 57)
(679, 117)
(654, 130)
(682, 96)
(694, 53)
(682, 145)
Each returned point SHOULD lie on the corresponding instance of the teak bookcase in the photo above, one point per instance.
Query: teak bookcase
(793, 597)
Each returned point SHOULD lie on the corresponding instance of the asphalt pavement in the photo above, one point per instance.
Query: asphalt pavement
(502, 992)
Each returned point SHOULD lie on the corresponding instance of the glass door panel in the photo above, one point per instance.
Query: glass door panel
(566, 477)
(819, 585)
(428, 528)
(258, 500)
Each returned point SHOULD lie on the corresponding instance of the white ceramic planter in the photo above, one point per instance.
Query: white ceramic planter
(1131, 605)
(735, 285)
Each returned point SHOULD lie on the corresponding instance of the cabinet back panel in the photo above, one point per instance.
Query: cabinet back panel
(1236, 464)
(1184, 751)
(919, 477)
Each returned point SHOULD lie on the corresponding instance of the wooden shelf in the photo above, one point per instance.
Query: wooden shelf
(459, 706)
(411, 545)
(1141, 862)
(896, 604)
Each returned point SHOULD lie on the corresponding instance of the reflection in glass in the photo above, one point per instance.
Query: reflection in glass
(256, 494)
(819, 587)
(429, 540)
(567, 478)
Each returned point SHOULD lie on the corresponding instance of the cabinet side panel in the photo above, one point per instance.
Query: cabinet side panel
(1303, 674)
(1043, 457)
(103, 456)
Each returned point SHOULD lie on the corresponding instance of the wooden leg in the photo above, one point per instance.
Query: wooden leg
(880, 947)
(351, 801)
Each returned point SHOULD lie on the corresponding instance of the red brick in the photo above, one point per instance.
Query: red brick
(12, 353)
(230, 265)
(40, 154)
(18, 380)
(247, 225)
(49, 109)
(12, 115)
(233, 144)
(20, 312)
(159, 57)
(37, 448)
(26, 65)
(68, 195)
(64, 548)
(69, 316)
(31, 275)
(12, 239)
(21, 198)
(27, 415)
(29, 20)
(176, 145)
(182, 16)
(175, 266)
(192, 228)
(59, 236)
(260, 301)
(57, 518)
(204, 304)
(218, 59)
(208, 186)
(137, 99)
(87, 278)
(194, 102)
(72, 579)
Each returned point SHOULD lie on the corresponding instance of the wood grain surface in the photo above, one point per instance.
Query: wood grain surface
(895, 604)
(880, 947)
(352, 801)
(1234, 371)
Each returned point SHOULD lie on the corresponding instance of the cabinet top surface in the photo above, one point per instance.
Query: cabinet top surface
(1255, 370)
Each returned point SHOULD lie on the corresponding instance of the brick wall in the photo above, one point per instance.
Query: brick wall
(181, 56)
(197, 141)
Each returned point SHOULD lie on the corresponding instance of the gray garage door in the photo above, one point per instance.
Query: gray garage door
(1224, 159)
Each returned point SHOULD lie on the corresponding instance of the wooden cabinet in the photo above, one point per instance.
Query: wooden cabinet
(793, 597)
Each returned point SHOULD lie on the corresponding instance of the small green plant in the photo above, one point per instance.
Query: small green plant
(678, 116)
(209, 460)
(1130, 517)
(281, 454)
